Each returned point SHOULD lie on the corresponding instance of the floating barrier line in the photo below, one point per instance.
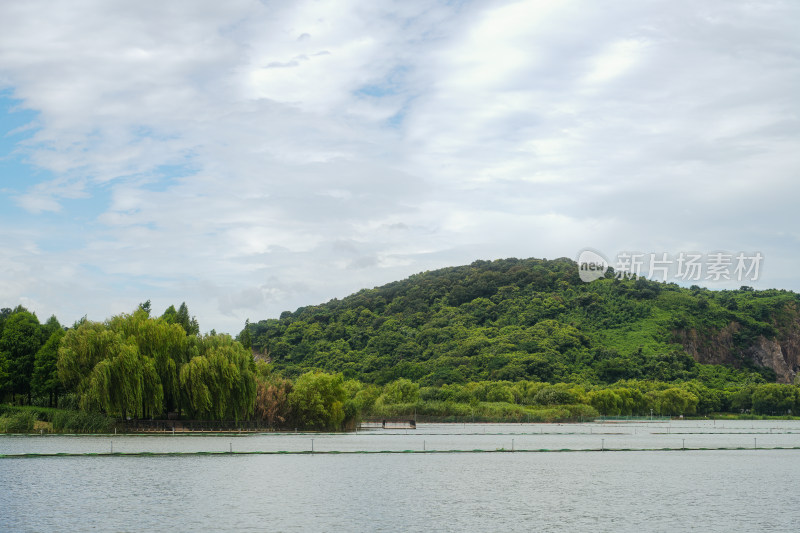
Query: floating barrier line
(723, 433)
(381, 452)
(360, 433)
(394, 433)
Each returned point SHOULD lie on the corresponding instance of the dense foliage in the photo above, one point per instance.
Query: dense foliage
(137, 366)
(28, 354)
(511, 340)
(521, 320)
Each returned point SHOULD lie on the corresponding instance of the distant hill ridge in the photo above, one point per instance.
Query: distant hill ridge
(534, 319)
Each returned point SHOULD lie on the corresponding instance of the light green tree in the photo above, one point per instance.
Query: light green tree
(675, 401)
(400, 391)
(606, 401)
(317, 400)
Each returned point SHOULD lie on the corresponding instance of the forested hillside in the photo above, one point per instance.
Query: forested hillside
(508, 340)
(535, 320)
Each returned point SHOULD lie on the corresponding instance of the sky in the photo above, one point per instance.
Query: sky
(251, 157)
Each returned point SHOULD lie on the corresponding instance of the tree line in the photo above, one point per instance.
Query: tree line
(138, 366)
(509, 339)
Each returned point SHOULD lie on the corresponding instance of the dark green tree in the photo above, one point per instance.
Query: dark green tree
(21, 339)
(245, 337)
(45, 380)
(189, 325)
(170, 315)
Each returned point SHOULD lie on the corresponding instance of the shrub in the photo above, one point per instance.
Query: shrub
(81, 422)
(19, 422)
(498, 392)
(554, 396)
(400, 391)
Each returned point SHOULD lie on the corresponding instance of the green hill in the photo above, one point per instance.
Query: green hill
(534, 319)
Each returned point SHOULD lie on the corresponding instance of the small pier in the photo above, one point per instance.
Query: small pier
(388, 423)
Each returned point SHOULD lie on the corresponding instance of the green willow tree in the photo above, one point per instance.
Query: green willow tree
(138, 366)
(125, 384)
(233, 364)
(107, 371)
(219, 383)
(165, 343)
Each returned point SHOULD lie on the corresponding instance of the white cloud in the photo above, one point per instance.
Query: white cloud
(250, 157)
(616, 59)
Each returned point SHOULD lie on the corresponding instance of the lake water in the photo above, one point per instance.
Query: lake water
(698, 490)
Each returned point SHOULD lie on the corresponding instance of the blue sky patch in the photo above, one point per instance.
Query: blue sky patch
(15, 173)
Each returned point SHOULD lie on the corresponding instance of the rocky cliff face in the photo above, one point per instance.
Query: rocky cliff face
(781, 354)
(716, 349)
(770, 353)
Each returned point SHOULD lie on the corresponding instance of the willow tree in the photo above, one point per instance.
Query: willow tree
(81, 350)
(125, 384)
(165, 343)
(195, 377)
(135, 365)
(109, 373)
(115, 366)
(220, 382)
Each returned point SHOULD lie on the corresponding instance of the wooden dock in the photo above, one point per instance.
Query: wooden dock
(388, 423)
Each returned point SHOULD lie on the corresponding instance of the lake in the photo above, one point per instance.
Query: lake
(703, 490)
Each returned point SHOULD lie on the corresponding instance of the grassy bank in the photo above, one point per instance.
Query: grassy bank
(30, 419)
(438, 411)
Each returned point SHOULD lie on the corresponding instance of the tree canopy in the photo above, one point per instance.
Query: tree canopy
(134, 365)
(502, 340)
(528, 319)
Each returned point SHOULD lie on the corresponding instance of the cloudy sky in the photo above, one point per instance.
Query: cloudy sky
(251, 157)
